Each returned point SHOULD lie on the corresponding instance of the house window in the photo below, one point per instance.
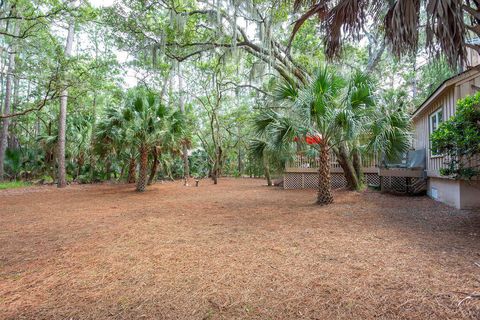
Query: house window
(436, 119)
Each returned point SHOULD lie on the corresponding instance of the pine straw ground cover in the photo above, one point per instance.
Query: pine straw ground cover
(238, 250)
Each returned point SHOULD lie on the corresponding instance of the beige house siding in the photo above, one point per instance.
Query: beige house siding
(447, 101)
(473, 58)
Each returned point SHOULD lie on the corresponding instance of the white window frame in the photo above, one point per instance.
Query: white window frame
(438, 121)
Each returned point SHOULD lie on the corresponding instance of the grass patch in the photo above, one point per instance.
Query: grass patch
(13, 185)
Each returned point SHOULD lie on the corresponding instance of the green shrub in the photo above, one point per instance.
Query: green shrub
(458, 139)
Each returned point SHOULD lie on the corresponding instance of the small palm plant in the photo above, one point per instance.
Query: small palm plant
(272, 142)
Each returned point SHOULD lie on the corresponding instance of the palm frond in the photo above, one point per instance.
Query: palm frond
(285, 91)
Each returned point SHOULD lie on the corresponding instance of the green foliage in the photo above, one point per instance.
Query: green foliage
(389, 129)
(13, 185)
(198, 161)
(458, 139)
(431, 76)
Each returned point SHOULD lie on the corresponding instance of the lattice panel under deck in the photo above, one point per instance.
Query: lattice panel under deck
(372, 179)
(299, 180)
(338, 180)
(396, 184)
(292, 181)
(310, 180)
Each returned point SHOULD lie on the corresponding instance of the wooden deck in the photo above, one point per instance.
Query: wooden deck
(401, 172)
(302, 172)
(302, 163)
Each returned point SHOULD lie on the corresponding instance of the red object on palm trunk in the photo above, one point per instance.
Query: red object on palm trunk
(317, 139)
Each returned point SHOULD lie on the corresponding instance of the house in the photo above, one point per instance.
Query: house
(438, 107)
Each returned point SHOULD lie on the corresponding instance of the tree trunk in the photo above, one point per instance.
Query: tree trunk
(108, 166)
(80, 162)
(357, 165)
(240, 162)
(214, 173)
(7, 106)
(348, 168)
(142, 174)
(131, 170)
(62, 182)
(92, 138)
(13, 142)
(2, 98)
(267, 175)
(153, 172)
(186, 167)
(324, 195)
(217, 165)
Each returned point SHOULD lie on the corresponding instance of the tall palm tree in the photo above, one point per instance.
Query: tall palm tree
(314, 112)
(318, 103)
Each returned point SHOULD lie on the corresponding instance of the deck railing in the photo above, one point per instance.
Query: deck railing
(304, 161)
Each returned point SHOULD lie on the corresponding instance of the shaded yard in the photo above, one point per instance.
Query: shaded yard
(238, 250)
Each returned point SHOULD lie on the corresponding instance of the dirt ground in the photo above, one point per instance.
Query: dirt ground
(237, 250)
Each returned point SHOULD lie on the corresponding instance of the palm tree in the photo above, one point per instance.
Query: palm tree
(145, 116)
(79, 131)
(313, 112)
(446, 27)
(258, 149)
(318, 104)
(357, 105)
(267, 125)
(110, 137)
(389, 129)
(341, 116)
(174, 136)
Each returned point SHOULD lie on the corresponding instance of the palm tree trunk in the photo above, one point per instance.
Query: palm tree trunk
(348, 168)
(142, 175)
(131, 170)
(80, 162)
(62, 123)
(153, 171)
(108, 166)
(267, 174)
(324, 195)
(357, 164)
